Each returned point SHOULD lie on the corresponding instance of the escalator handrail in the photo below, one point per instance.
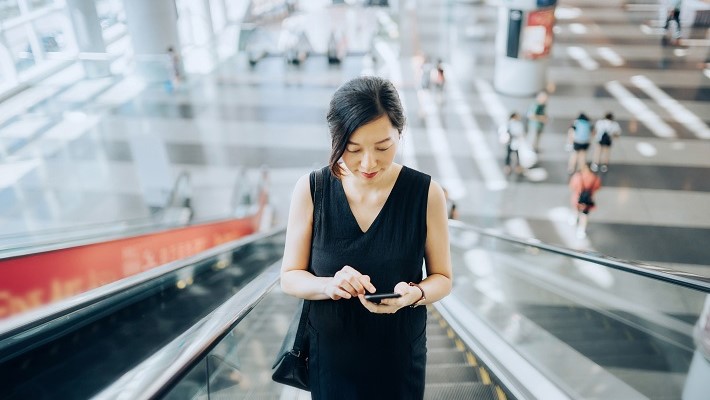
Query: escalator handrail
(159, 373)
(105, 228)
(680, 278)
(23, 322)
(62, 242)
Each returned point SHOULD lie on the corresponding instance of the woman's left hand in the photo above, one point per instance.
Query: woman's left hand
(410, 294)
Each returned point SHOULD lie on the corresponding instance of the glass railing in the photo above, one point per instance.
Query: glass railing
(242, 200)
(227, 363)
(591, 326)
(77, 347)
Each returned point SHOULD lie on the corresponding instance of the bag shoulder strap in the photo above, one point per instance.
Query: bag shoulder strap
(316, 183)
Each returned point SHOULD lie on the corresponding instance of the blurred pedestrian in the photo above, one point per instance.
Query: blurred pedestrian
(437, 75)
(605, 130)
(578, 137)
(513, 133)
(175, 68)
(425, 71)
(451, 210)
(583, 185)
(673, 15)
(537, 118)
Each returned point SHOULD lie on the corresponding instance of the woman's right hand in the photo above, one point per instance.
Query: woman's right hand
(348, 283)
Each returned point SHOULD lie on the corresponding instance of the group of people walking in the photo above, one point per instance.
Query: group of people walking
(579, 139)
(522, 146)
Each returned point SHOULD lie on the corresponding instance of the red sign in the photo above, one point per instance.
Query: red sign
(27, 282)
(537, 34)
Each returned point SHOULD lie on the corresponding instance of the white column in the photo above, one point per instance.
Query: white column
(202, 14)
(153, 28)
(89, 37)
(523, 45)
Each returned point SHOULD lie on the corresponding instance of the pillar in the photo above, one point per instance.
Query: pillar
(523, 45)
(153, 28)
(89, 37)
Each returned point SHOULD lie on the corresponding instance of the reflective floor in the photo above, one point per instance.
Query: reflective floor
(78, 151)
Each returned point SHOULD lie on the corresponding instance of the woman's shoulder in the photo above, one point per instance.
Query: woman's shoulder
(305, 181)
(415, 174)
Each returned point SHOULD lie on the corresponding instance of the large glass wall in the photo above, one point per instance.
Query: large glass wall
(32, 33)
(37, 34)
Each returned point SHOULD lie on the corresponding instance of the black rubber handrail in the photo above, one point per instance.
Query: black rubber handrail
(680, 278)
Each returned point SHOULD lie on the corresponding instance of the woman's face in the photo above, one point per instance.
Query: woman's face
(371, 150)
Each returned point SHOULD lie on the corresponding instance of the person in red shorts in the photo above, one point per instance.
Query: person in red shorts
(583, 185)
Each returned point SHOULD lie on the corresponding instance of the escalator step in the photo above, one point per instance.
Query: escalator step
(450, 373)
(459, 391)
(439, 342)
(435, 330)
(445, 356)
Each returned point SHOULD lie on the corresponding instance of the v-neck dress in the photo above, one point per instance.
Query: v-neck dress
(355, 354)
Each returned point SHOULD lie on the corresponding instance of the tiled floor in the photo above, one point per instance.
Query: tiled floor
(66, 142)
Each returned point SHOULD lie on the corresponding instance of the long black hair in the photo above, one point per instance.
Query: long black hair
(356, 103)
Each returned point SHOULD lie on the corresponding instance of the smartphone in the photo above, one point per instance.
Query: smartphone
(377, 297)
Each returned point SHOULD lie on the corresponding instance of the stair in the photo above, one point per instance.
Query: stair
(453, 372)
(240, 366)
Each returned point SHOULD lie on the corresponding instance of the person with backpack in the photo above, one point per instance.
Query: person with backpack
(583, 185)
(578, 137)
(605, 130)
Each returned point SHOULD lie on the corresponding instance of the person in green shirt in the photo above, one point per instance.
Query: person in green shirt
(537, 118)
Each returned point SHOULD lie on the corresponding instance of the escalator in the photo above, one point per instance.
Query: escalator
(109, 331)
(39, 268)
(524, 320)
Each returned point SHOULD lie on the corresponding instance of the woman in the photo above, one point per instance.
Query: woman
(578, 137)
(605, 130)
(378, 221)
(515, 135)
(583, 185)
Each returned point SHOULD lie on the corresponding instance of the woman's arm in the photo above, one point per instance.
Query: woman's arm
(295, 279)
(438, 282)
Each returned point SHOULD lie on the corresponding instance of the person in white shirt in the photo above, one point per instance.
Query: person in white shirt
(674, 15)
(515, 131)
(605, 130)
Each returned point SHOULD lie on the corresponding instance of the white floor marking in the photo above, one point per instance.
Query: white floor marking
(675, 109)
(482, 155)
(640, 110)
(582, 57)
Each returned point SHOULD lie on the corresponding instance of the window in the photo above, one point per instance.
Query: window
(8, 9)
(38, 4)
(22, 52)
(51, 32)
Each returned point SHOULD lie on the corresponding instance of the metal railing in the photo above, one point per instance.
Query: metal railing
(681, 278)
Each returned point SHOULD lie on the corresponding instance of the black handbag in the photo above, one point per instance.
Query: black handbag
(291, 366)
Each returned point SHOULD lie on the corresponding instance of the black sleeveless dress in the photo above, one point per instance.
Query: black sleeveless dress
(355, 354)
